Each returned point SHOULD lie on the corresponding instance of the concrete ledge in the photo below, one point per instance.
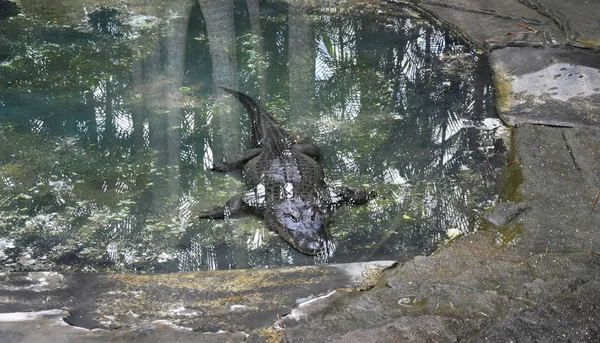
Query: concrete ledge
(238, 300)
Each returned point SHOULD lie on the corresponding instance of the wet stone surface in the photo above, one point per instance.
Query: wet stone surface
(549, 86)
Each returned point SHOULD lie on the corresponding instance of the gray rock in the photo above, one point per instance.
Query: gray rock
(552, 87)
(505, 212)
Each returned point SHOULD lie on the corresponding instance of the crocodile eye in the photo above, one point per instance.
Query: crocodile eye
(293, 217)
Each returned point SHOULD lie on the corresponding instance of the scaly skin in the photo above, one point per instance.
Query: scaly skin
(287, 184)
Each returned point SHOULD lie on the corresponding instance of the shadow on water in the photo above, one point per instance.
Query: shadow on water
(110, 118)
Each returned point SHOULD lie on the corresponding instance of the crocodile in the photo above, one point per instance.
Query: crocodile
(287, 184)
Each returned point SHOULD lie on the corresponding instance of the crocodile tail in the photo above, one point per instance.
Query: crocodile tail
(264, 127)
(249, 103)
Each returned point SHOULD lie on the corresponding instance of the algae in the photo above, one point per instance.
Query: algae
(589, 42)
(271, 335)
(503, 89)
(226, 281)
(509, 234)
(512, 175)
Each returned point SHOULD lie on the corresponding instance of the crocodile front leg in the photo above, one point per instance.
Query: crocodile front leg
(351, 196)
(253, 199)
(232, 207)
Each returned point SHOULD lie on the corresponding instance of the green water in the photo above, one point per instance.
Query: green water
(110, 119)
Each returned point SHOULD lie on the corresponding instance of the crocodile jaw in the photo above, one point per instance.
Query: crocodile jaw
(301, 223)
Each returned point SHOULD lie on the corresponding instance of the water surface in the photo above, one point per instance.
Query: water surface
(110, 119)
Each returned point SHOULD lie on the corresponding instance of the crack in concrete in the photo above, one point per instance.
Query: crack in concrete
(559, 19)
(573, 158)
(483, 11)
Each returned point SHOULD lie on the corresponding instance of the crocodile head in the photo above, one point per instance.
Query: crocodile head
(302, 223)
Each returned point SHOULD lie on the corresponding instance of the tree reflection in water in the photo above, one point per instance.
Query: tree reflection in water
(110, 122)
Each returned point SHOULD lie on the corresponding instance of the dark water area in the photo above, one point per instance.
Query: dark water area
(110, 119)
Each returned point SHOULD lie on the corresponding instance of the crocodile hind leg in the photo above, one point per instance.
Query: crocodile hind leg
(236, 162)
(307, 149)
